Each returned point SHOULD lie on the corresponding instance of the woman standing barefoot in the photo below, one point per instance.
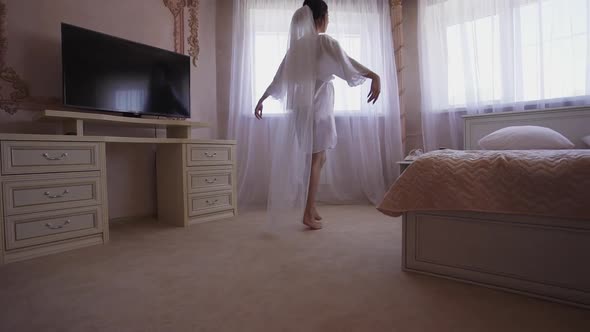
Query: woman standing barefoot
(304, 83)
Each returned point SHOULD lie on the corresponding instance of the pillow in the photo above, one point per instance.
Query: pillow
(525, 138)
(586, 140)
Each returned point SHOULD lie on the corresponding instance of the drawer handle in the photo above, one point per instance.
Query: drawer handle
(210, 155)
(211, 181)
(63, 156)
(51, 226)
(210, 203)
(49, 195)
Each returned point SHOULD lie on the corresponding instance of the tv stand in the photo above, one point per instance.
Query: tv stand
(54, 187)
(130, 115)
(73, 122)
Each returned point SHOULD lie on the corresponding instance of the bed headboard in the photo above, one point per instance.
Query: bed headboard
(571, 122)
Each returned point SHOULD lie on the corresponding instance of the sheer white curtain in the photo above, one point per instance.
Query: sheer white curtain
(362, 166)
(481, 56)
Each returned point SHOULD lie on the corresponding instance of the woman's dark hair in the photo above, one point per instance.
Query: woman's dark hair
(318, 7)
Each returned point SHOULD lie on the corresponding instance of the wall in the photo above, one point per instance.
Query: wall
(204, 77)
(223, 46)
(33, 31)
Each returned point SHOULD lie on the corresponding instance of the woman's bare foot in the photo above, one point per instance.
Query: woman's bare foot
(316, 214)
(309, 220)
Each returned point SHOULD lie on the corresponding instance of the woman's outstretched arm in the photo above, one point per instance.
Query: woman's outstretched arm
(350, 70)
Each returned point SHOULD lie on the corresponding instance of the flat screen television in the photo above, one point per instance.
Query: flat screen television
(106, 73)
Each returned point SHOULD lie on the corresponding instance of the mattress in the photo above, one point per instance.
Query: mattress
(554, 183)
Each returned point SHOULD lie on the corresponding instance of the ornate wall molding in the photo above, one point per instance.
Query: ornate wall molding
(193, 23)
(398, 44)
(18, 89)
(179, 9)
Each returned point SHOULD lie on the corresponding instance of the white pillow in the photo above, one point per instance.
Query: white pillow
(586, 140)
(525, 138)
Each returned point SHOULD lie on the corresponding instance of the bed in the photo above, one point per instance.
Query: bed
(529, 235)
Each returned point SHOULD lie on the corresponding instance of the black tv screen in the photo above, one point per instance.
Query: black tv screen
(105, 73)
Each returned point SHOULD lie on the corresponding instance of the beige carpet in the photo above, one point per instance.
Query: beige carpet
(229, 276)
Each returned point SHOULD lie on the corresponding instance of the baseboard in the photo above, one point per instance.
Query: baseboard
(51, 248)
(132, 219)
(211, 217)
(501, 288)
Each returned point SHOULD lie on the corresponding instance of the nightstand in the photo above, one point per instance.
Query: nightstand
(403, 165)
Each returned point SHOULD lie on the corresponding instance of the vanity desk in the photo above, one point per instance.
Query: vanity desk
(54, 188)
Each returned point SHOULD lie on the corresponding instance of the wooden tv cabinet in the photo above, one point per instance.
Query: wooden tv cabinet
(54, 188)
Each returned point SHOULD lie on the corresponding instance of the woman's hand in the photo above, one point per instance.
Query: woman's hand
(375, 88)
(258, 110)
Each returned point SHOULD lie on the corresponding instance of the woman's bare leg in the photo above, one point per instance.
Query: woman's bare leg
(311, 215)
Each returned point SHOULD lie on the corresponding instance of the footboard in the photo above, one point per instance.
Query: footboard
(541, 257)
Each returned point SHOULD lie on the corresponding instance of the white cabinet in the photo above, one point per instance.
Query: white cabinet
(53, 197)
(196, 182)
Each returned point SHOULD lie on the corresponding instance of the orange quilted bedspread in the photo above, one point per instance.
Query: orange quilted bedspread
(553, 183)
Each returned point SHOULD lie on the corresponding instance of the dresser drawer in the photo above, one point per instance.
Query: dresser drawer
(42, 157)
(210, 180)
(38, 228)
(199, 204)
(204, 155)
(38, 193)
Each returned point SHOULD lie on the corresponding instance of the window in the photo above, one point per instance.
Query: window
(554, 44)
(536, 50)
(270, 44)
(481, 38)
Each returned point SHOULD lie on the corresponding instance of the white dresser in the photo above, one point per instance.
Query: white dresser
(54, 189)
(53, 197)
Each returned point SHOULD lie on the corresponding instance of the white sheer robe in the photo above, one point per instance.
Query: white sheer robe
(332, 61)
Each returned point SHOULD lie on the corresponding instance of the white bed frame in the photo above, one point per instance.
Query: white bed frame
(547, 258)
(572, 122)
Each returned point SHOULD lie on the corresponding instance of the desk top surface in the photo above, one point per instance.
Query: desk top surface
(118, 120)
(110, 139)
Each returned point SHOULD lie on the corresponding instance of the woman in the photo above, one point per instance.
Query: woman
(304, 83)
